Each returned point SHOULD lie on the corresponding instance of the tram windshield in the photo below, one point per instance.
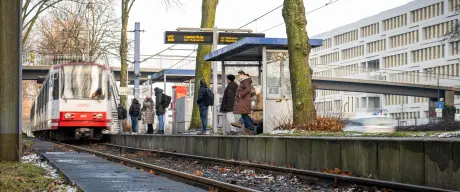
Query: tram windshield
(83, 82)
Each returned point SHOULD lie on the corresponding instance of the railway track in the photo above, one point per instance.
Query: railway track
(202, 182)
(223, 186)
(333, 178)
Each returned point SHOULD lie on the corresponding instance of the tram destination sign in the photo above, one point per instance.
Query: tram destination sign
(229, 38)
(200, 37)
(188, 37)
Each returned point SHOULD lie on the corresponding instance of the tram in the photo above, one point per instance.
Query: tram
(73, 103)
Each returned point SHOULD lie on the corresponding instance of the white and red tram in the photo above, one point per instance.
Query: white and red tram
(73, 102)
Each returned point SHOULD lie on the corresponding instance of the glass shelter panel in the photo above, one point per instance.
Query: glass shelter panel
(278, 77)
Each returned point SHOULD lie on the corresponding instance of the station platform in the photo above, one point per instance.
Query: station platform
(92, 173)
(433, 162)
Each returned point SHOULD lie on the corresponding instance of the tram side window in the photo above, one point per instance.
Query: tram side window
(45, 99)
(56, 87)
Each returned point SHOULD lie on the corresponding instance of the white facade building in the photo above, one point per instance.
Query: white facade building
(404, 44)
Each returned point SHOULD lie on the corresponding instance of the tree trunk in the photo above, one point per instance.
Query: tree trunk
(203, 69)
(300, 72)
(10, 88)
(124, 50)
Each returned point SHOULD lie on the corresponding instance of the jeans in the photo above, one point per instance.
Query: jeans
(161, 122)
(120, 125)
(247, 122)
(134, 121)
(204, 117)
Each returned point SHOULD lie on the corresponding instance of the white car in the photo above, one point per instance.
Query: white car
(370, 124)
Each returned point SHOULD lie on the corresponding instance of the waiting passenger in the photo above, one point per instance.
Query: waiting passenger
(149, 114)
(243, 100)
(135, 113)
(122, 115)
(228, 102)
(160, 109)
(205, 99)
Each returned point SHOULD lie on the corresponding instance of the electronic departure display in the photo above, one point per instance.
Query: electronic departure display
(188, 37)
(192, 37)
(229, 38)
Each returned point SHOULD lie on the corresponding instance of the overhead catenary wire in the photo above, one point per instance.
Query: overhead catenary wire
(329, 3)
(263, 15)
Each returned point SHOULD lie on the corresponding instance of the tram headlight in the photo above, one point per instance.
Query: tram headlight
(67, 115)
(99, 116)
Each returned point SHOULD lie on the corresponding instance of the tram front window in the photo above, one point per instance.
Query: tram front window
(83, 82)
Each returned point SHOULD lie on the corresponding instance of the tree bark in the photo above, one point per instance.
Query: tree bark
(299, 70)
(203, 69)
(126, 7)
(10, 74)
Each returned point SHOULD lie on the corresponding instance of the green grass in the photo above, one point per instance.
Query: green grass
(16, 176)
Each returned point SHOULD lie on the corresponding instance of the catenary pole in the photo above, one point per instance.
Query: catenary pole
(10, 79)
(137, 36)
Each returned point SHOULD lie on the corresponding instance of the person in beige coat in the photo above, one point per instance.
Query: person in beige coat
(148, 110)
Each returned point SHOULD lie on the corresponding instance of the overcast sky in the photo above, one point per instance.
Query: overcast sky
(155, 18)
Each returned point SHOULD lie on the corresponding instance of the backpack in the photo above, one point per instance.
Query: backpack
(208, 98)
(165, 100)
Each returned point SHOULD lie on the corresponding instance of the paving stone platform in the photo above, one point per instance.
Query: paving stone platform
(92, 173)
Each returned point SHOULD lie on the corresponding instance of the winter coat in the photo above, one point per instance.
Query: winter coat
(148, 111)
(203, 100)
(228, 101)
(159, 108)
(122, 113)
(135, 109)
(243, 97)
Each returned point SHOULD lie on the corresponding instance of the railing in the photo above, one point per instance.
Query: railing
(113, 82)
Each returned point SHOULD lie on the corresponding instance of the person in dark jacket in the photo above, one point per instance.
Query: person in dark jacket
(228, 102)
(160, 110)
(203, 103)
(243, 100)
(149, 114)
(135, 113)
(122, 115)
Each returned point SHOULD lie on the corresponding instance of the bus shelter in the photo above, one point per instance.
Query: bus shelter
(270, 59)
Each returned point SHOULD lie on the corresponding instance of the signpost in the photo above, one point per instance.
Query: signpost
(439, 107)
(209, 36)
(126, 91)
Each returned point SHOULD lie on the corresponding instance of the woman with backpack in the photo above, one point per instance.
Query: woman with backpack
(243, 100)
(149, 114)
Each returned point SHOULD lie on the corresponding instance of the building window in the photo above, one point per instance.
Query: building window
(346, 37)
(427, 12)
(395, 60)
(426, 54)
(353, 52)
(376, 46)
(403, 39)
(370, 30)
(394, 22)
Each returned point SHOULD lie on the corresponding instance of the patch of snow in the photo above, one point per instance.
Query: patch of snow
(449, 134)
(52, 173)
(282, 132)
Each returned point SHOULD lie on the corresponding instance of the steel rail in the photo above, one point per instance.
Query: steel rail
(180, 174)
(373, 182)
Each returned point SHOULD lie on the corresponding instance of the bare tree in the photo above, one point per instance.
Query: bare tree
(453, 33)
(126, 6)
(75, 28)
(31, 10)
